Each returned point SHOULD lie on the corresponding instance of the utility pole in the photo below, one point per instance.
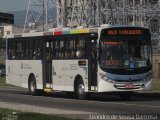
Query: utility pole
(39, 15)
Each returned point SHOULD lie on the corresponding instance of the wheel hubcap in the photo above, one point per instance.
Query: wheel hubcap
(32, 87)
(81, 89)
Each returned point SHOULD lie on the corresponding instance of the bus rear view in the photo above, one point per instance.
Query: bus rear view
(125, 61)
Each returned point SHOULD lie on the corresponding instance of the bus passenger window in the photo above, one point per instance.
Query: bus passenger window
(56, 55)
(73, 54)
(9, 53)
(80, 53)
(37, 53)
(13, 54)
(68, 55)
(27, 53)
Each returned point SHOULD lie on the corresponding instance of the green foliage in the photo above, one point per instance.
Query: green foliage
(32, 116)
(7, 114)
(156, 85)
(2, 81)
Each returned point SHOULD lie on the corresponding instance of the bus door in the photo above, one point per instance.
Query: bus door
(92, 65)
(47, 66)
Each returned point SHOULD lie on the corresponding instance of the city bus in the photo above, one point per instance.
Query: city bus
(81, 60)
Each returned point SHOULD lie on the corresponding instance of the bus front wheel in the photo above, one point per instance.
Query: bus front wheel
(32, 86)
(80, 90)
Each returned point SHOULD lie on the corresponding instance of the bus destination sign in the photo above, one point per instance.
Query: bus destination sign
(124, 32)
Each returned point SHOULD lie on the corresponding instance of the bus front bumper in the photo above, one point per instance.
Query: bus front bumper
(105, 86)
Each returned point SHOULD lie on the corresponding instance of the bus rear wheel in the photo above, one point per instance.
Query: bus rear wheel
(80, 90)
(32, 86)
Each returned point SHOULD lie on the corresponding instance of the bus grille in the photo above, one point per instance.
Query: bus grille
(136, 80)
(128, 85)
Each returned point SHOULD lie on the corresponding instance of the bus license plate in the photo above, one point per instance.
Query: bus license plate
(129, 85)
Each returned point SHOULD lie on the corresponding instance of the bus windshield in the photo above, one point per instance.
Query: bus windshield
(125, 52)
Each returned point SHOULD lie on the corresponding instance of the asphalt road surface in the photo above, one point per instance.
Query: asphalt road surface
(107, 104)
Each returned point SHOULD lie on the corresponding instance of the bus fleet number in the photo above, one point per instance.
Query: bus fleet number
(73, 67)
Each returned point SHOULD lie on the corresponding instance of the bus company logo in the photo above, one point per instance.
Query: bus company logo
(64, 68)
(25, 66)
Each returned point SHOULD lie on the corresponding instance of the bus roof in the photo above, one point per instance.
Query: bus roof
(128, 26)
(55, 32)
(68, 31)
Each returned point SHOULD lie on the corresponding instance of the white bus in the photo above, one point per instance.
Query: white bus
(103, 59)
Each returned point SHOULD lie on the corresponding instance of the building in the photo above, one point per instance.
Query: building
(9, 29)
(6, 28)
(7, 25)
(6, 18)
(6, 21)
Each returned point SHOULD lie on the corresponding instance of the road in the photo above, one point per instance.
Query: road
(59, 103)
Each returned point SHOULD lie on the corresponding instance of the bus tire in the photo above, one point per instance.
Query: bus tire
(126, 95)
(32, 86)
(80, 90)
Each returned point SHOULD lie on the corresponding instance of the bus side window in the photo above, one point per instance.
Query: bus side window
(26, 49)
(80, 53)
(72, 49)
(38, 53)
(66, 48)
(30, 54)
(19, 50)
(13, 54)
(37, 49)
(73, 54)
(13, 50)
(10, 51)
(57, 52)
(81, 48)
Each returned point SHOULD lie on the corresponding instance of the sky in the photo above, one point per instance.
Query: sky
(13, 5)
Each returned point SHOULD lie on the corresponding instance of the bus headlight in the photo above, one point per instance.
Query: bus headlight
(104, 77)
(147, 77)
